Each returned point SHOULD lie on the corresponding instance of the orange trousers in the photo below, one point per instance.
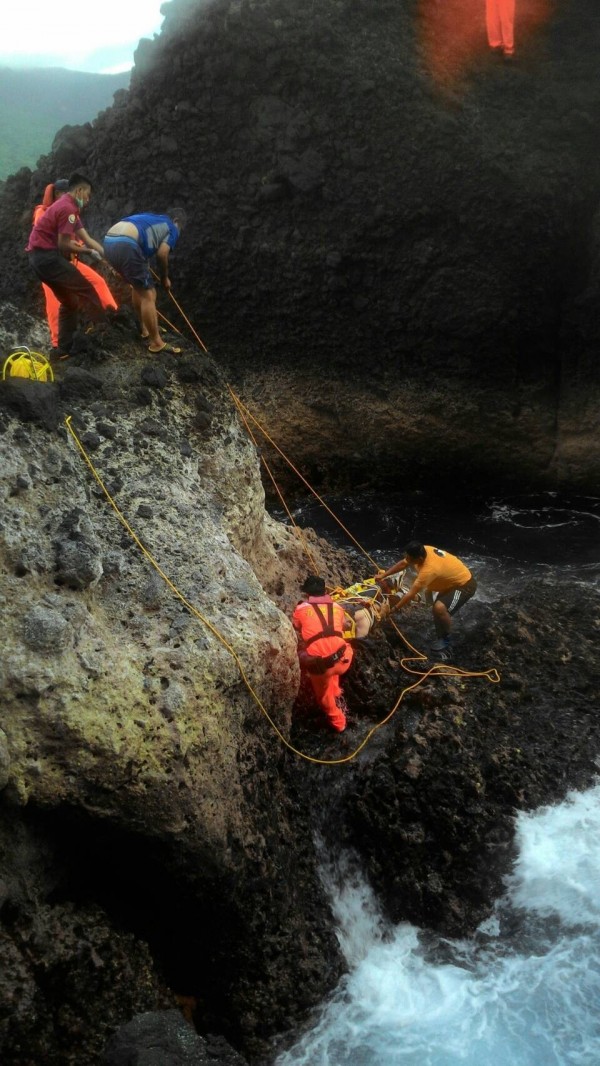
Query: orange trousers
(53, 306)
(327, 688)
(500, 22)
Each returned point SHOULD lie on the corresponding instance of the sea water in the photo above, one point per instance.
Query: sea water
(505, 540)
(525, 990)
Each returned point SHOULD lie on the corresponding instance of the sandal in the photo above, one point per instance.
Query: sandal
(169, 349)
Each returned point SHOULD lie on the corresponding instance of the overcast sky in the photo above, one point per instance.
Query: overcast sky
(99, 36)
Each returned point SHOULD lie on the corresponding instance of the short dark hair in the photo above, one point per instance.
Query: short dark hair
(314, 585)
(178, 215)
(79, 179)
(415, 550)
(61, 185)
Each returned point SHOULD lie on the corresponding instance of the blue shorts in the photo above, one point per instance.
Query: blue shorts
(126, 257)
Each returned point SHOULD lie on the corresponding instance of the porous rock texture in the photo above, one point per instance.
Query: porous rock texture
(130, 745)
(392, 253)
(383, 218)
(158, 831)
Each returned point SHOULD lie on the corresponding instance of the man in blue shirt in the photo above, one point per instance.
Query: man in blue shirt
(128, 246)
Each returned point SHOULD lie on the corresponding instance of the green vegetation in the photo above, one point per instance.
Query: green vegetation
(36, 103)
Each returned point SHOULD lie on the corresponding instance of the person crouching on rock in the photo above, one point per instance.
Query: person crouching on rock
(322, 650)
(446, 580)
(52, 193)
(57, 235)
(129, 246)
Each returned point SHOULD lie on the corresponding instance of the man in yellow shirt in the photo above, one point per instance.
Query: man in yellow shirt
(447, 582)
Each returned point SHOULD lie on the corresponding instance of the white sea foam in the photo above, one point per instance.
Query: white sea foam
(523, 994)
(558, 869)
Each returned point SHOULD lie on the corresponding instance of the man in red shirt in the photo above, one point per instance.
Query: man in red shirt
(52, 193)
(322, 650)
(55, 237)
(445, 579)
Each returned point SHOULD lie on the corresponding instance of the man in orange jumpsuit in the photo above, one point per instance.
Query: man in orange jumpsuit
(500, 22)
(322, 650)
(51, 194)
(446, 580)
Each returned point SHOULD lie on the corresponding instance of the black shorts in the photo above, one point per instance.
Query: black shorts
(455, 598)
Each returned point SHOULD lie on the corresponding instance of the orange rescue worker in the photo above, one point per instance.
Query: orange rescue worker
(446, 580)
(500, 23)
(322, 650)
(52, 193)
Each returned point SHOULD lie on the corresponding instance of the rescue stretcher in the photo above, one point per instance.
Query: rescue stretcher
(367, 603)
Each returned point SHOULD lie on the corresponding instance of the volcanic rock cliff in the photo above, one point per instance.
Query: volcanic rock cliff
(383, 218)
(392, 254)
(159, 805)
(129, 739)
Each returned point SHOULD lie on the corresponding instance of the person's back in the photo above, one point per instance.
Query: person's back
(441, 570)
(129, 245)
(323, 652)
(153, 230)
(313, 618)
(47, 199)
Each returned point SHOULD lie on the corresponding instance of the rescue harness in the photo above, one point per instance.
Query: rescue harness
(318, 664)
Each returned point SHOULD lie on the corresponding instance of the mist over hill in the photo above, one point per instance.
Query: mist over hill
(36, 103)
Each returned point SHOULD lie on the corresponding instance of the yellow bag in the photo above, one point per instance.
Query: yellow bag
(23, 363)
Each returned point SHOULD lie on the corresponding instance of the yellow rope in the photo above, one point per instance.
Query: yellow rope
(188, 323)
(205, 621)
(242, 408)
(297, 529)
(183, 315)
(169, 324)
(437, 670)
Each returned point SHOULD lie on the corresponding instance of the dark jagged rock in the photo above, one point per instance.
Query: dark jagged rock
(150, 811)
(30, 401)
(390, 267)
(431, 813)
(164, 1038)
(375, 207)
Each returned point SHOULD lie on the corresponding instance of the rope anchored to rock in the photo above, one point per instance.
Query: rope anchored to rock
(436, 670)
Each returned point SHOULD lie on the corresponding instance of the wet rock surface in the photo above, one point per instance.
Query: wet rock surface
(150, 809)
(164, 1038)
(389, 268)
(134, 577)
(434, 818)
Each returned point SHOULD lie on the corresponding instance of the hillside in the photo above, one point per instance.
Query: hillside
(35, 104)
